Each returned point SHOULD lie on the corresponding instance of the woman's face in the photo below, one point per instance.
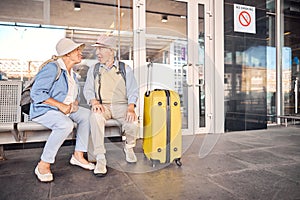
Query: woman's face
(76, 55)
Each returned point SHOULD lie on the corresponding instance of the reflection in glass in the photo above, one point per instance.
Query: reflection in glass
(201, 65)
(290, 58)
(246, 71)
(166, 47)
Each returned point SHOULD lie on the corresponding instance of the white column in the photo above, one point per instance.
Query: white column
(139, 56)
(219, 117)
(279, 34)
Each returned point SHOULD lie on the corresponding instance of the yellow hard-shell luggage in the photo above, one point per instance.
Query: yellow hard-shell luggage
(162, 126)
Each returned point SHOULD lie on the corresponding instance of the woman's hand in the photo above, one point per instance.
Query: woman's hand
(74, 106)
(65, 108)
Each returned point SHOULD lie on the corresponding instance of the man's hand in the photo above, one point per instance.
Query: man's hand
(130, 115)
(96, 106)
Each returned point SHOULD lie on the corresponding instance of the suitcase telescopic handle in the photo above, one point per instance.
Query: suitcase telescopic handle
(150, 64)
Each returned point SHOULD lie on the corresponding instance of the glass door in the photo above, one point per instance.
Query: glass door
(200, 69)
(177, 40)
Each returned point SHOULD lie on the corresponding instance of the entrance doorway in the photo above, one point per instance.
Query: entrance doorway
(184, 62)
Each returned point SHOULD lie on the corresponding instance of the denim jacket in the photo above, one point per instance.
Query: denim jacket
(45, 86)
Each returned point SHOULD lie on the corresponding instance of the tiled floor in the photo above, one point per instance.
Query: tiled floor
(262, 164)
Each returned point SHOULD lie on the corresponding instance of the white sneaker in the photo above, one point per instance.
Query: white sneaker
(100, 169)
(130, 155)
(74, 161)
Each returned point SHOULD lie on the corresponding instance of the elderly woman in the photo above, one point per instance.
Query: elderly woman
(55, 105)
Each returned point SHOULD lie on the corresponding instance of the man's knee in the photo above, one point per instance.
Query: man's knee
(97, 117)
(130, 128)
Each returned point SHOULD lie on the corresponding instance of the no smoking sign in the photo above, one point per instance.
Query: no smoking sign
(244, 19)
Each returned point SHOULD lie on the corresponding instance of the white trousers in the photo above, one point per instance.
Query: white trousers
(97, 125)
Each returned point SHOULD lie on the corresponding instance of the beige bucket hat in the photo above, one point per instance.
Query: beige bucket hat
(66, 45)
(106, 41)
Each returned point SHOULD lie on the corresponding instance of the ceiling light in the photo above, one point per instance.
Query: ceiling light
(164, 18)
(76, 6)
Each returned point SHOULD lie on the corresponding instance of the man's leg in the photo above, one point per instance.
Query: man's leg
(97, 125)
(129, 128)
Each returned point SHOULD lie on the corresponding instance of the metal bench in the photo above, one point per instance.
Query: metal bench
(292, 117)
(13, 130)
(34, 132)
(10, 112)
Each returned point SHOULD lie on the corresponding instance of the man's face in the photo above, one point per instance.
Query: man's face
(104, 54)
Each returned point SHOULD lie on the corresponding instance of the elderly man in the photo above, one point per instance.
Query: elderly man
(111, 91)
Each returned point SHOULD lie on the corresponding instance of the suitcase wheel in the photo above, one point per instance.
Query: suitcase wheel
(178, 162)
(154, 162)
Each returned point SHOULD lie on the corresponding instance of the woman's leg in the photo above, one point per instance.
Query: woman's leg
(61, 126)
(81, 117)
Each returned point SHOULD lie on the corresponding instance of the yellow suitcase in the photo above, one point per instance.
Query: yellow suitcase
(162, 126)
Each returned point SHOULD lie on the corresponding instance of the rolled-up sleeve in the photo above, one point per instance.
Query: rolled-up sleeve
(131, 86)
(88, 89)
(40, 90)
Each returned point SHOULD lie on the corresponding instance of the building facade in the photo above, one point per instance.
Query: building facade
(234, 63)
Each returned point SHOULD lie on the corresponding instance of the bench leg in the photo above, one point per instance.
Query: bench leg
(285, 120)
(16, 136)
(2, 155)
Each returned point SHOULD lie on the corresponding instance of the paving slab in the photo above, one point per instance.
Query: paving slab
(261, 164)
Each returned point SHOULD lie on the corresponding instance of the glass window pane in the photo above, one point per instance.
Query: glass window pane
(166, 47)
(38, 25)
(290, 57)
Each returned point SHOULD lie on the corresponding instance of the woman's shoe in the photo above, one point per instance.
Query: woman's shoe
(89, 166)
(43, 177)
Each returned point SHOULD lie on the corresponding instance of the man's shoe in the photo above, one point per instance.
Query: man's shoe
(43, 177)
(100, 169)
(74, 161)
(130, 155)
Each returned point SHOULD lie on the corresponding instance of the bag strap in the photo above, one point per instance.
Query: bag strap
(96, 69)
(58, 71)
(122, 70)
(29, 85)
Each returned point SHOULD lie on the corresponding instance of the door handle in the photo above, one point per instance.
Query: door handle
(198, 85)
(187, 85)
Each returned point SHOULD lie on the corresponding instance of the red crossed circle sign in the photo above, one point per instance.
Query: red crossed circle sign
(244, 18)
